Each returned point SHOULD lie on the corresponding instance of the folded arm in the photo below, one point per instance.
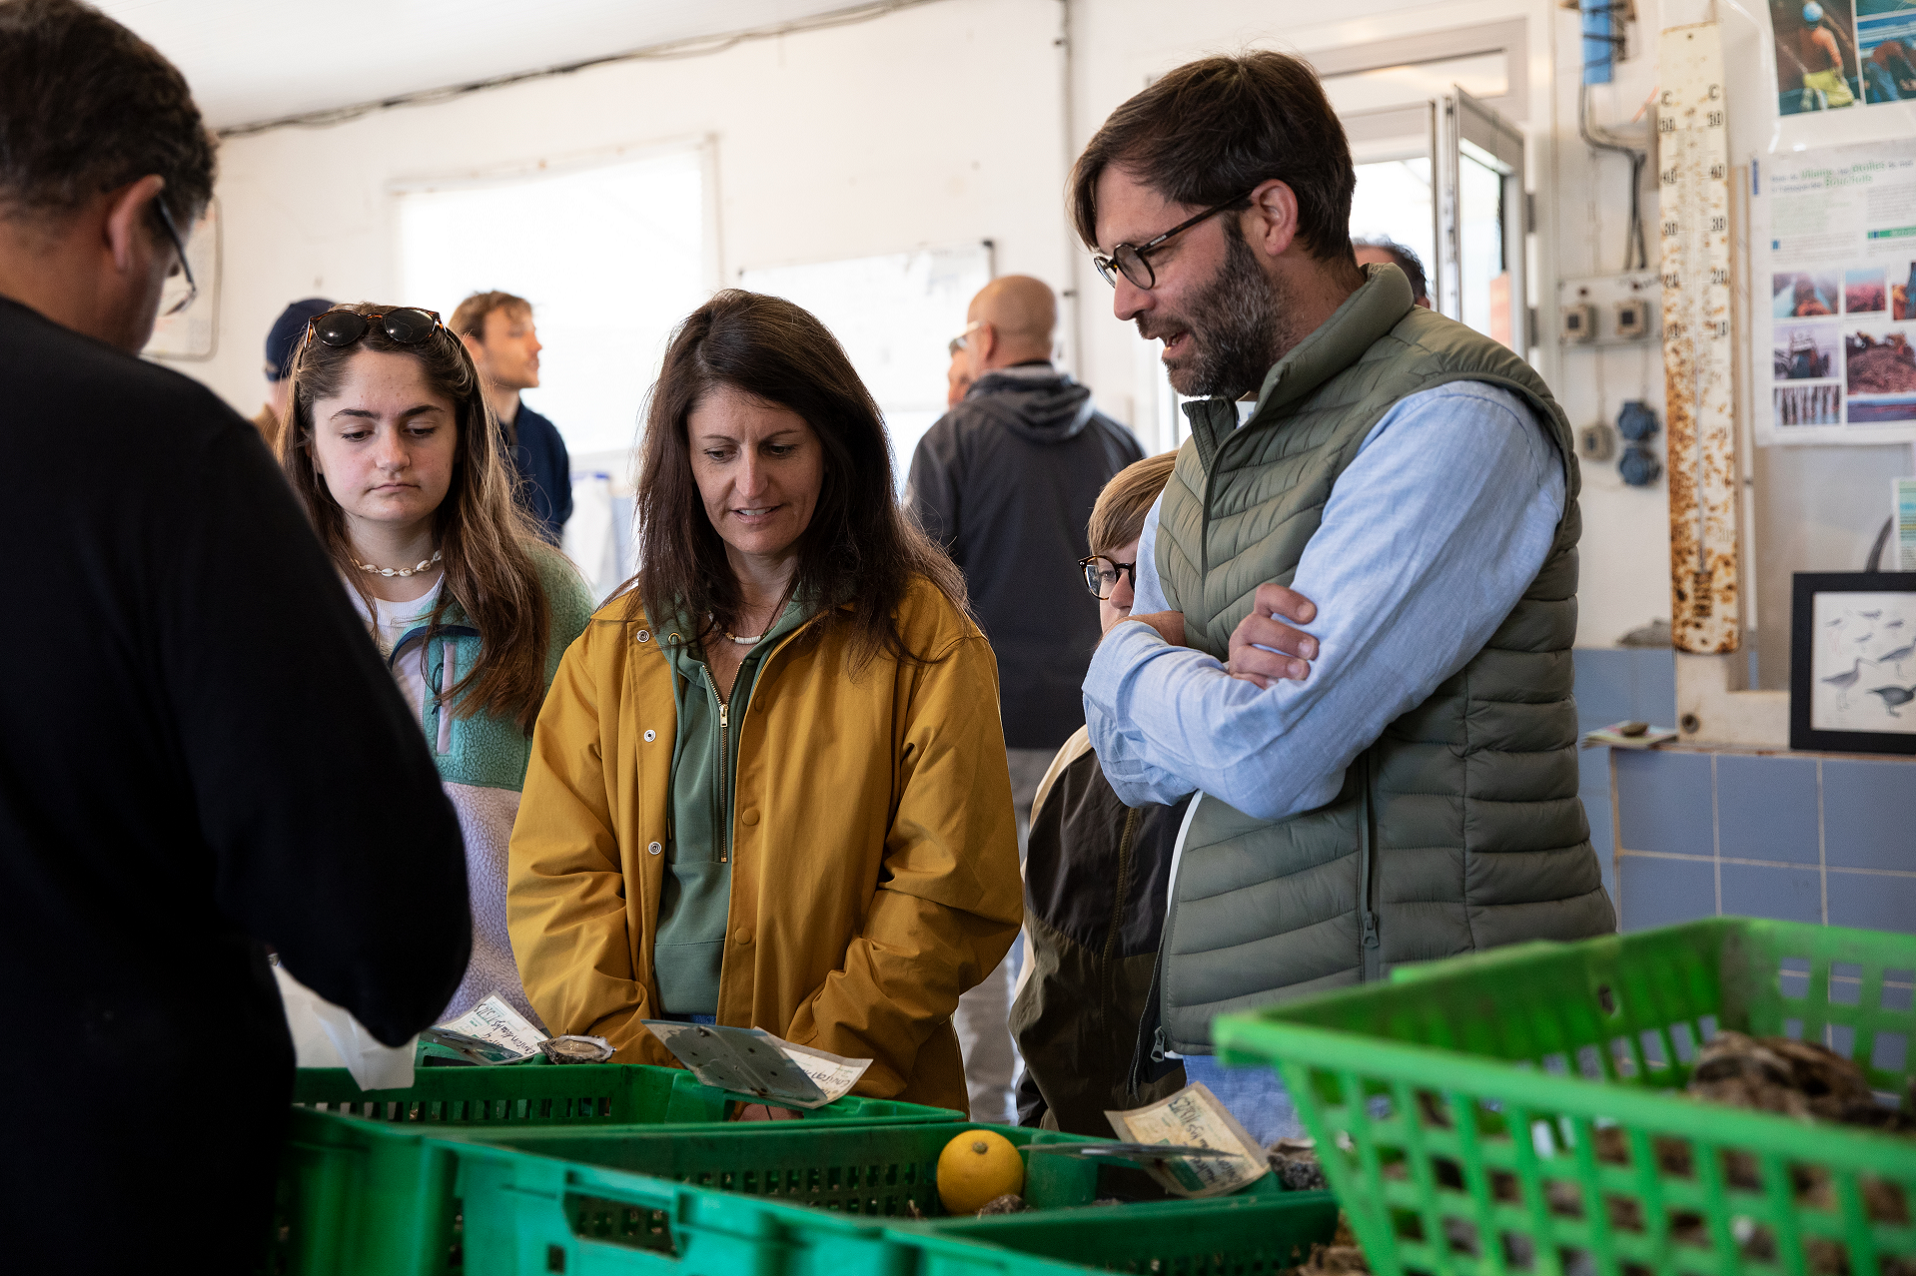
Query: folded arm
(1427, 541)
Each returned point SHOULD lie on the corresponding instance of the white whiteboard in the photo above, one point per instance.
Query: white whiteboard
(895, 316)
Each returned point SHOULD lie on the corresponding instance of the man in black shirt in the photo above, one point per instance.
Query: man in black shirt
(200, 752)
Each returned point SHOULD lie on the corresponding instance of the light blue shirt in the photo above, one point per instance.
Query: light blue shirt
(1429, 538)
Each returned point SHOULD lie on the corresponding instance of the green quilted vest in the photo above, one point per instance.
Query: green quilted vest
(1460, 828)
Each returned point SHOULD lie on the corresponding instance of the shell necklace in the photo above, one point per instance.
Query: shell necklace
(420, 566)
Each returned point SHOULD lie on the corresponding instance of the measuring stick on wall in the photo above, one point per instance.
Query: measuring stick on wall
(1693, 171)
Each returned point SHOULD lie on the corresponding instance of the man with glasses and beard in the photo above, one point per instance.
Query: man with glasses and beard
(1355, 600)
(172, 800)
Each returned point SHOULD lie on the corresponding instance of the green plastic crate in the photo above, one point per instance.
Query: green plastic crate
(373, 1200)
(577, 1094)
(882, 1171)
(1507, 1111)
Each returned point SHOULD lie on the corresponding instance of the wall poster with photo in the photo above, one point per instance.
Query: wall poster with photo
(1853, 662)
(1835, 237)
(1834, 55)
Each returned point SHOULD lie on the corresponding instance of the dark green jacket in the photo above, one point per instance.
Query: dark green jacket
(1095, 879)
(1460, 828)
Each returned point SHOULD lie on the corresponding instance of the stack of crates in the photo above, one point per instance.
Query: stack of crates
(1521, 1110)
(607, 1168)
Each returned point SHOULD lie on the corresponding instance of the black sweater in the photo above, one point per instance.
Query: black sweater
(1005, 482)
(200, 754)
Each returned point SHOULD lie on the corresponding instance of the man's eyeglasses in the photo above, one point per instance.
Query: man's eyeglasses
(1133, 261)
(1101, 575)
(179, 247)
(408, 325)
(963, 339)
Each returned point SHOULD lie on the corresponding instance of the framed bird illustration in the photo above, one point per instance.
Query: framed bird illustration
(1853, 662)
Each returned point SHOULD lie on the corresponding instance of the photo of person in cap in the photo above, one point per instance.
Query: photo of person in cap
(1815, 55)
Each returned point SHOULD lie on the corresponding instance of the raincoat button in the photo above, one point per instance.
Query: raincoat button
(653, 848)
(645, 635)
(743, 935)
(750, 817)
(650, 736)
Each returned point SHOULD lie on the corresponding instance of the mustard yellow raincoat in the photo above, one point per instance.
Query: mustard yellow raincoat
(875, 858)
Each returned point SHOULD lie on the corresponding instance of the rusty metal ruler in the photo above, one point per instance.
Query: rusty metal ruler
(1693, 174)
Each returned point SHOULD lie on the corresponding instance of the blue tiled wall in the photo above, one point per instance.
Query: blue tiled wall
(1804, 837)
(1616, 685)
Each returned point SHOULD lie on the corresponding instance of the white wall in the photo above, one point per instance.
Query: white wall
(938, 124)
(934, 125)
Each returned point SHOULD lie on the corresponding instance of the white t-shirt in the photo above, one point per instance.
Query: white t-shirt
(389, 622)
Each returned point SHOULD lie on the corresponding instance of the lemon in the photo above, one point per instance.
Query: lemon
(977, 1167)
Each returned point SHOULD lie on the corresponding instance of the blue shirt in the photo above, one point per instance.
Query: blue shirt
(1429, 538)
(537, 455)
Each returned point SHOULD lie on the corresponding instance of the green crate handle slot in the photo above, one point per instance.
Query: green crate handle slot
(1543, 1073)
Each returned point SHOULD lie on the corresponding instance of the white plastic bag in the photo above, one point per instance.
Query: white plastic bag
(327, 1036)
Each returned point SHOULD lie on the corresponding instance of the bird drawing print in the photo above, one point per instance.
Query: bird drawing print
(1861, 662)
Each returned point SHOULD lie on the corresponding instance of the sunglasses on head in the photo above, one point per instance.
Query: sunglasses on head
(408, 325)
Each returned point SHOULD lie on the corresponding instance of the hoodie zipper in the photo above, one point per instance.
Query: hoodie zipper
(721, 823)
(1371, 964)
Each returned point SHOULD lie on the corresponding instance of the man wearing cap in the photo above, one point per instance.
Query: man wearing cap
(1821, 57)
(281, 343)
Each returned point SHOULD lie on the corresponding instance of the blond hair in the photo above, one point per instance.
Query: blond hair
(1118, 517)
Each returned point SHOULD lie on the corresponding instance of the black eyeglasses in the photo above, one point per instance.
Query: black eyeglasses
(1101, 575)
(179, 247)
(408, 325)
(1133, 261)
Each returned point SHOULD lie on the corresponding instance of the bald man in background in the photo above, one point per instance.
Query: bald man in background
(1005, 482)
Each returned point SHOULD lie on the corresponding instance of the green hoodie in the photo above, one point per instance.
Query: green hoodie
(696, 897)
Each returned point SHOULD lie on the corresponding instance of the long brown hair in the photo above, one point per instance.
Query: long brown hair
(487, 541)
(857, 556)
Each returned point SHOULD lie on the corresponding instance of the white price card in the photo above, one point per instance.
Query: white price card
(1193, 1117)
(494, 1022)
(753, 1061)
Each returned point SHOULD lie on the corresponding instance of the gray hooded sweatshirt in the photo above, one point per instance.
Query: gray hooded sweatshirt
(1005, 482)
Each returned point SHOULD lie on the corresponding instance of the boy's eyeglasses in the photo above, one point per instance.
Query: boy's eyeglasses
(1101, 575)
(179, 247)
(408, 325)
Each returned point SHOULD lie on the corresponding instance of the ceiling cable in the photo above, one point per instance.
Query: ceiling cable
(692, 47)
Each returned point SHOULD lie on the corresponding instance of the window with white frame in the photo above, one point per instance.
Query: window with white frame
(611, 256)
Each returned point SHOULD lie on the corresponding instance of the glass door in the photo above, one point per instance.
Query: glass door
(1481, 220)
(1444, 178)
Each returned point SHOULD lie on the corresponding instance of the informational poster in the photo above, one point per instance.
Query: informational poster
(1835, 55)
(1839, 262)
